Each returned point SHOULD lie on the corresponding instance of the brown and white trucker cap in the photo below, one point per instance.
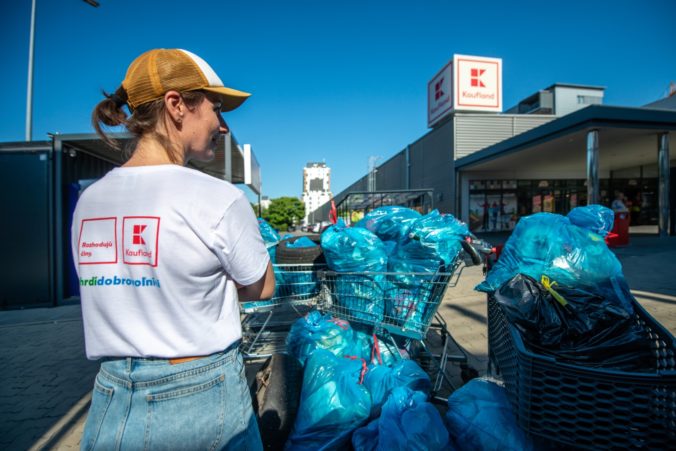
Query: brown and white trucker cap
(157, 71)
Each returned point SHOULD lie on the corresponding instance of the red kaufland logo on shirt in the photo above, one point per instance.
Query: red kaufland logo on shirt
(136, 236)
(140, 239)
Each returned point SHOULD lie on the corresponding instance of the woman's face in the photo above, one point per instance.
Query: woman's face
(202, 126)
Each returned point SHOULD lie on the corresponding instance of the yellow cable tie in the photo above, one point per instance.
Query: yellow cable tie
(549, 286)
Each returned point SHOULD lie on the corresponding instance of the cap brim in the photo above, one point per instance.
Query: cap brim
(230, 98)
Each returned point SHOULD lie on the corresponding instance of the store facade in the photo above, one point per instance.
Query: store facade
(547, 169)
(557, 149)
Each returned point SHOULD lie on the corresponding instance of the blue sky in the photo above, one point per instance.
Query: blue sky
(333, 81)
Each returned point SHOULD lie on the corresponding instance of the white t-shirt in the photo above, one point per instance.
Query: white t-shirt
(158, 250)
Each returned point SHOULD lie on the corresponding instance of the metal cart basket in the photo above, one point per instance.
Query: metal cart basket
(266, 322)
(395, 304)
(586, 407)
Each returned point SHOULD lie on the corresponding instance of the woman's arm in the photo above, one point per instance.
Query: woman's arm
(263, 289)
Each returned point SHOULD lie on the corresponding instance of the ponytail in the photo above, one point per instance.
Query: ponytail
(109, 112)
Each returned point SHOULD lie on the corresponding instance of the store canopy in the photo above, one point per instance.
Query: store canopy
(627, 138)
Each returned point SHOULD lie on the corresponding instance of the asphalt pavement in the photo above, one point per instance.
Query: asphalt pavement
(45, 380)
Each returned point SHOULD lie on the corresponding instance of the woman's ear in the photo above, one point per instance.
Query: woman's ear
(174, 105)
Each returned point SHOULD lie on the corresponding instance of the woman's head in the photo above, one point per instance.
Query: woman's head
(175, 98)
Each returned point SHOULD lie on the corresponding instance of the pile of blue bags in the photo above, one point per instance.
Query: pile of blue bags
(352, 395)
(410, 247)
(563, 289)
(570, 250)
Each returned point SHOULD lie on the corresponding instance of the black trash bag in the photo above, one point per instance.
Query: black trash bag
(588, 330)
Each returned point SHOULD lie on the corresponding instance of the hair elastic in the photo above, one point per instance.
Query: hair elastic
(119, 101)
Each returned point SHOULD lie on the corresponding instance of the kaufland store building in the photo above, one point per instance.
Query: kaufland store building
(556, 149)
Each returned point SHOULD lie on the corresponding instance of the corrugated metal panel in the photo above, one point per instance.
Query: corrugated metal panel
(476, 132)
(525, 123)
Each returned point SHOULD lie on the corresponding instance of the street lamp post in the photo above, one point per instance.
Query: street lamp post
(29, 94)
(31, 51)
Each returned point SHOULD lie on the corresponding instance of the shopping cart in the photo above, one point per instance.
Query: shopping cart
(573, 406)
(400, 308)
(265, 323)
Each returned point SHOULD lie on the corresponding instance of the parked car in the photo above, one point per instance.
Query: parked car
(291, 228)
(320, 226)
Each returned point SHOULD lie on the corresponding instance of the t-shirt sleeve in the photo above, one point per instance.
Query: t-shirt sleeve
(239, 245)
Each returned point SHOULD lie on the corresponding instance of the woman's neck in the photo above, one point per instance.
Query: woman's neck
(149, 152)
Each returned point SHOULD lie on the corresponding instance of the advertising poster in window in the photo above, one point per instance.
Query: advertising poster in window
(478, 213)
(537, 203)
(494, 203)
(548, 203)
(508, 215)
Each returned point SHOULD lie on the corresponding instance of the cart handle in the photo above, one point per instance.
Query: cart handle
(471, 251)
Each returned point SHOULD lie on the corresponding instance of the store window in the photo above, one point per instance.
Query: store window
(492, 205)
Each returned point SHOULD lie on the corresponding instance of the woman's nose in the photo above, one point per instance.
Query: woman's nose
(223, 128)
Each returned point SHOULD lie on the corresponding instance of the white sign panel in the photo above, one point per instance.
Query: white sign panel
(477, 83)
(440, 95)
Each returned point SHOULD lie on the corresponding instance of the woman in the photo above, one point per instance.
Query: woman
(163, 254)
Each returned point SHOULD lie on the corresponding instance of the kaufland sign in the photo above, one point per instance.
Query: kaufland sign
(468, 83)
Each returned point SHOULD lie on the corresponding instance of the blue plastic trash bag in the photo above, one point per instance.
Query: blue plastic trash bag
(548, 244)
(389, 223)
(356, 250)
(387, 353)
(333, 403)
(411, 306)
(360, 296)
(479, 416)
(433, 244)
(380, 380)
(438, 233)
(597, 218)
(301, 242)
(363, 343)
(270, 237)
(316, 331)
(353, 249)
(294, 282)
(407, 422)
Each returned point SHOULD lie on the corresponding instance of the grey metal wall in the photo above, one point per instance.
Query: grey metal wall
(431, 158)
(474, 132)
(391, 175)
(431, 166)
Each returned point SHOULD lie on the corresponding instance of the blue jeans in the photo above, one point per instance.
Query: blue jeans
(151, 404)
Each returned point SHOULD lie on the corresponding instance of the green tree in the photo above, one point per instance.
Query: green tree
(283, 212)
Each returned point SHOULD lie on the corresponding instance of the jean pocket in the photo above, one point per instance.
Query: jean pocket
(101, 397)
(187, 415)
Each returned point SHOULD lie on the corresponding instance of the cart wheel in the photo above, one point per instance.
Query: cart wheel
(278, 395)
(467, 373)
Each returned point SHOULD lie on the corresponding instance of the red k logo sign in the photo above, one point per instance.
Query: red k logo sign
(437, 89)
(476, 78)
(136, 234)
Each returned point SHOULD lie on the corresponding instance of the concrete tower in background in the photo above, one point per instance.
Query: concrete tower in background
(316, 190)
